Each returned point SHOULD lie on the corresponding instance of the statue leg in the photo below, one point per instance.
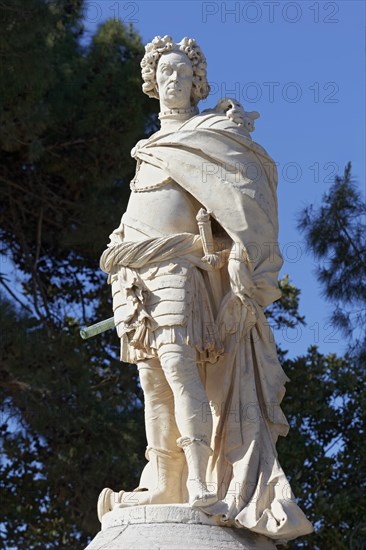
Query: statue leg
(160, 423)
(162, 476)
(179, 364)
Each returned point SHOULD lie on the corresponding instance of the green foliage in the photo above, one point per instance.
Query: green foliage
(336, 234)
(69, 415)
(69, 118)
(285, 312)
(326, 450)
(324, 453)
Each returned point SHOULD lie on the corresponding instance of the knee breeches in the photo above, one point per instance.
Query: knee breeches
(175, 399)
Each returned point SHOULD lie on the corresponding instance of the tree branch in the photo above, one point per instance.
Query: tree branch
(8, 289)
(349, 238)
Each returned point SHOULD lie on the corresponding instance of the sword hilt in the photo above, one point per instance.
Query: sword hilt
(98, 328)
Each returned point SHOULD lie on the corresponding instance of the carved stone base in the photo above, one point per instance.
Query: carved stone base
(171, 527)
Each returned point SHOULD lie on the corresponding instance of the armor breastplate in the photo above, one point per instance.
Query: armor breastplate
(148, 177)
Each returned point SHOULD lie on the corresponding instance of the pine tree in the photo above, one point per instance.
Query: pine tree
(70, 114)
(336, 235)
(326, 450)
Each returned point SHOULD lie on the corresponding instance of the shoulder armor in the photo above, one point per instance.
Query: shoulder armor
(235, 112)
(135, 149)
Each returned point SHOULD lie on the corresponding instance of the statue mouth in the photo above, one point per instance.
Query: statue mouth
(174, 88)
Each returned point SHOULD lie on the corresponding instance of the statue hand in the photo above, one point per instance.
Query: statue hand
(240, 279)
(217, 260)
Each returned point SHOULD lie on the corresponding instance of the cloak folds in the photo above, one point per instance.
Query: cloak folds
(235, 180)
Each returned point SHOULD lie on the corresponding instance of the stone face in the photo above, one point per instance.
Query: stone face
(171, 527)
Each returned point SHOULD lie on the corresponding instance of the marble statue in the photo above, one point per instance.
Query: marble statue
(191, 266)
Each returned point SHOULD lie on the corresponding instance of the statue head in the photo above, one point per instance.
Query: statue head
(162, 57)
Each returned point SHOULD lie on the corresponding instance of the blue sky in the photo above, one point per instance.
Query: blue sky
(301, 65)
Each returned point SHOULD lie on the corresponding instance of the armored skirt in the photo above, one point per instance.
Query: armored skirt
(160, 294)
(163, 302)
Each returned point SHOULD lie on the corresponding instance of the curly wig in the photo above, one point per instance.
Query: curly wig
(160, 45)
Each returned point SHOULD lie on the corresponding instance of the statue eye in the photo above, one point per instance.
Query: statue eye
(185, 69)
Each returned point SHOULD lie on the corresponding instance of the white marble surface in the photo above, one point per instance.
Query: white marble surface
(171, 527)
(188, 296)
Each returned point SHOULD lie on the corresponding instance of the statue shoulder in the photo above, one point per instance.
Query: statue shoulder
(138, 145)
(228, 114)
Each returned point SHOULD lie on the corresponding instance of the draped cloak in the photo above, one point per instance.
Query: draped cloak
(234, 178)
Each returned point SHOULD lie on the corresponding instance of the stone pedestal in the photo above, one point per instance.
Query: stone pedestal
(171, 527)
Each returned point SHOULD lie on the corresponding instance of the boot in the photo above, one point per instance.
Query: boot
(167, 467)
(197, 454)
(107, 500)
